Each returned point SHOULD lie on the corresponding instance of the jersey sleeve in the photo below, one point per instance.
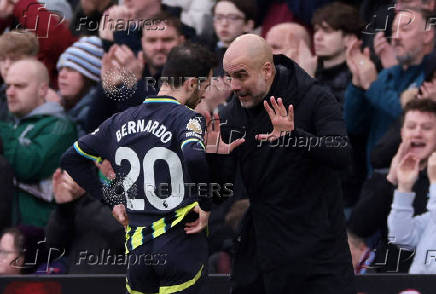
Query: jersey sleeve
(192, 131)
(79, 160)
(190, 138)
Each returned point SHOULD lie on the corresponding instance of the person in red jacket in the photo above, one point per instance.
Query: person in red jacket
(53, 34)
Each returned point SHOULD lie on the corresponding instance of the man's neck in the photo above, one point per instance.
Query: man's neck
(167, 90)
(333, 60)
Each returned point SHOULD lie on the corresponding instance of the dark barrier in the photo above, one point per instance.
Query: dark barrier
(216, 284)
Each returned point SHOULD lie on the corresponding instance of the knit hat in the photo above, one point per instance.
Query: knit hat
(61, 7)
(83, 56)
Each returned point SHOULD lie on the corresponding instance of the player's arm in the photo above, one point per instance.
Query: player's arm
(79, 160)
(194, 156)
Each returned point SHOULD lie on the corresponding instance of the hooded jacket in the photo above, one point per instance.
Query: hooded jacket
(33, 146)
(296, 215)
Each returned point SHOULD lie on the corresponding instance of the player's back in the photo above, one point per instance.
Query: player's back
(147, 157)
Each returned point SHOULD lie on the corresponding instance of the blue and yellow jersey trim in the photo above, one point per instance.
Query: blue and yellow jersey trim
(136, 236)
(192, 140)
(165, 100)
(87, 155)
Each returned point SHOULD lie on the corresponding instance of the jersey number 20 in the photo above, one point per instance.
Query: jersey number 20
(155, 153)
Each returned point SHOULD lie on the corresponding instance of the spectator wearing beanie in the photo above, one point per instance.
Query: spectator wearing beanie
(79, 72)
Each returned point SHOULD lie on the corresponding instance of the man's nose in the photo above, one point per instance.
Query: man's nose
(10, 91)
(235, 84)
(159, 45)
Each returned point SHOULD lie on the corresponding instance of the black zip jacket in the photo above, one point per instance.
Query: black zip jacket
(296, 205)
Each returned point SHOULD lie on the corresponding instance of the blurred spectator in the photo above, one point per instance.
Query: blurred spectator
(60, 7)
(406, 230)
(387, 146)
(195, 13)
(21, 250)
(273, 12)
(11, 250)
(368, 220)
(84, 227)
(124, 24)
(231, 19)
(53, 34)
(127, 78)
(14, 45)
(372, 101)
(87, 16)
(335, 26)
(79, 72)
(285, 38)
(36, 139)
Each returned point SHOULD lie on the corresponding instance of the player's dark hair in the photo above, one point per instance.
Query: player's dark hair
(340, 16)
(421, 105)
(188, 60)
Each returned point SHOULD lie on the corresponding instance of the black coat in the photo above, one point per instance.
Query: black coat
(88, 232)
(295, 196)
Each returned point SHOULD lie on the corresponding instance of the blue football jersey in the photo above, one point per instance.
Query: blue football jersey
(145, 145)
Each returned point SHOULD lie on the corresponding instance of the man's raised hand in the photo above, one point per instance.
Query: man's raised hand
(281, 119)
(407, 173)
(213, 140)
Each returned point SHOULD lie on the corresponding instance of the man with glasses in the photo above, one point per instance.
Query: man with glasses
(231, 19)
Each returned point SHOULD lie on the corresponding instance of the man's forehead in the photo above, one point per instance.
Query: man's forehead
(407, 17)
(18, 75)
(238, 64)
(415, 115)
(226, 7)
(168, 31)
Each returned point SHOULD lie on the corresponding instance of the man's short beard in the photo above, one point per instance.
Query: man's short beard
(405, 60)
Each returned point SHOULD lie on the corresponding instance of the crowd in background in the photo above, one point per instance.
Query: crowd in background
(66, 66)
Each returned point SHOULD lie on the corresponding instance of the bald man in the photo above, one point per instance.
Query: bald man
(284, 38)
(36, 139)
(290, 139)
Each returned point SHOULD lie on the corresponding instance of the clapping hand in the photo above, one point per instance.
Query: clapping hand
(431, 168)
(407, 173)
(64, 188)
(401, 153)
(384, 50)
(362, 68)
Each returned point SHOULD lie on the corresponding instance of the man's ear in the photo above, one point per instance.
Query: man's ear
(428, 35)
(190, 84)
(43, 90)
(249, 26)
(268, 70)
